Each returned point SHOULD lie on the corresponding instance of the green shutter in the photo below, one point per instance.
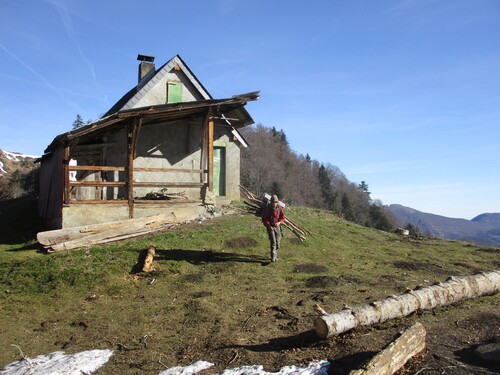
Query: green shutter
(174, 92)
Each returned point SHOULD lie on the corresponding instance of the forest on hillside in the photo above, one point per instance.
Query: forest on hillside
(270, 166)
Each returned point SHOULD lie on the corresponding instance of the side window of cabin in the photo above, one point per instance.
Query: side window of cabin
(174, 92)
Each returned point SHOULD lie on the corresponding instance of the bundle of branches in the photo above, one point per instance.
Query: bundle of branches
(163, 195)
(255, 205)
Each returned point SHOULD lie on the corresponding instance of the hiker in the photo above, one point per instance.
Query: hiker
(272, 217)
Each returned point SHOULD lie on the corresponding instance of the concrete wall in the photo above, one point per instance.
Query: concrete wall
(86, 214)
(173, 145)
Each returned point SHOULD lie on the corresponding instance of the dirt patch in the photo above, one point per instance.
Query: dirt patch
(322, 281)
(194, 278)
(420, 266)
(489, 250)
(202, 294)
(351, 279)
(241, 242)
(310, 268)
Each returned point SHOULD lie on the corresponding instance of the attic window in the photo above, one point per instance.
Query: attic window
(174, 92)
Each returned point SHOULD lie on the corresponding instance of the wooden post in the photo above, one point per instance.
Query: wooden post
(131, 141)
(204, 142)
(65, 161)
(210, 148)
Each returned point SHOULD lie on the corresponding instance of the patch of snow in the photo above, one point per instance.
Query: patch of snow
(14, 156)
(1, 168)
(313, 368)
(187, 370)
(58, 363)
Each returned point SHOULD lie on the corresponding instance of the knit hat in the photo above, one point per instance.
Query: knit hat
(274, 199)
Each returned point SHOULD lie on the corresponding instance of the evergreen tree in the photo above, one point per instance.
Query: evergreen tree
(327, 192)
(347, 212)
(78, 122)
(276, 189)
(378, 218)
(283, 138)
(363, 187)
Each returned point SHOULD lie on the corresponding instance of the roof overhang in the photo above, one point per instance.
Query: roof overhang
(232, 108)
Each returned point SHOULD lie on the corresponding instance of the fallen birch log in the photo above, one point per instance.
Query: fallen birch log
(396, 354)
(453, 290)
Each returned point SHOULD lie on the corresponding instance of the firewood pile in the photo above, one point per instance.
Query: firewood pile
(255, 205)
(163, 195)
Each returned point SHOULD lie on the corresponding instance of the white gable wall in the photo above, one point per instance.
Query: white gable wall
(157, 90)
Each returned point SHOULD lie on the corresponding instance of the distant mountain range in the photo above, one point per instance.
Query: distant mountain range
(12, 161)
(484, 229)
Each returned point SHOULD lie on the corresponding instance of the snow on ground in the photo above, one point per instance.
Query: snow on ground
(1, 168)
(15, 156)
(58, 363)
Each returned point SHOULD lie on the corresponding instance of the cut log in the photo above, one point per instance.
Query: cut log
(396, 354)
(148, 260)
(453, 290)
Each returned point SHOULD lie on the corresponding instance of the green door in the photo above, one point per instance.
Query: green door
(219, 171)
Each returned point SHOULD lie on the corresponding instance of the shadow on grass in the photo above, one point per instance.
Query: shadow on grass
(207, 256)
(348, 363)
(302, 340)
(26, 247)
(19, 222)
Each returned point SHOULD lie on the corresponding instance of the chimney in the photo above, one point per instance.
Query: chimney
(147, 65)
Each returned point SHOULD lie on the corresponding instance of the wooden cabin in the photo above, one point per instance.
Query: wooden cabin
(166, 147)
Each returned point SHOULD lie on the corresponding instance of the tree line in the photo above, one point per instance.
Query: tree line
(270, 166)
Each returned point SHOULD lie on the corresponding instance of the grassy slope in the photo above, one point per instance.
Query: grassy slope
(219, 303)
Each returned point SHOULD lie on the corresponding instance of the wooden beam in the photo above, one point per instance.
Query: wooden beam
(169, 184)
(210, 148)
(184, 170)
(116, 201)
(160, 202)
(65, 162)
(131, 136)
(203, 146)
(95, 168)
(98, 183)
(136, 135)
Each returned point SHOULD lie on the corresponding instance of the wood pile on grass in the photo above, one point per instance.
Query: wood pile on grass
(255, 205)
(98, 234)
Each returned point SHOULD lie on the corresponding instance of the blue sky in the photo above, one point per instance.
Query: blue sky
(404, 95)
